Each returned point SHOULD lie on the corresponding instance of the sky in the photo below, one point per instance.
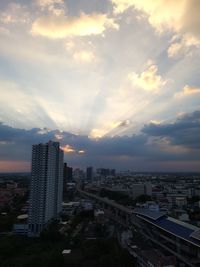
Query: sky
(116, 82)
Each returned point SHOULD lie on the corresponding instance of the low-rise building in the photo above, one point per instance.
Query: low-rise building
(155, 258)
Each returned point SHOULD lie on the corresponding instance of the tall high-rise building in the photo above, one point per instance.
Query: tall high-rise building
(67, 178)
(64, 178)
(89, 174)
(46, 186)
(70, 174)
(67, 174)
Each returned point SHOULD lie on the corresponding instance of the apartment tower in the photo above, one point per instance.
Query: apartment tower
(46, 186)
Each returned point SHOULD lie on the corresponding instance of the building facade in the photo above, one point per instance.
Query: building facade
(89, 174)
(46, 186)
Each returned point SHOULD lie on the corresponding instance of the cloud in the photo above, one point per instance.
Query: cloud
(180, 17)
(188, 90)
(14, 13)
(84, 56)
(68, 149)
(4, 31)
(108, 128)
(183, 46)
(83, 51)
(18, 105)
(161, 14)
(44, 3)
(81, 151)
(59, 136)
(124, 123)
(184, 131)
(164, 142)
(148, 79)
(54, 7)
(62, 26)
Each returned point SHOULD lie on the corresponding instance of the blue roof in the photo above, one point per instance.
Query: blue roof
(154, 215)
(170, 225)
(196, 235)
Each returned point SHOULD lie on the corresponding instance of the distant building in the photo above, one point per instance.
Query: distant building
(89, 174)
(20, 229)
(87, 205)
(78, 175)
(155, 258)
(141, 189)
(99, 215)
(177, 200)
(46, 186)
(68, 208)
(65, 178)
(106, 172)
(113, 172)
(67, 174)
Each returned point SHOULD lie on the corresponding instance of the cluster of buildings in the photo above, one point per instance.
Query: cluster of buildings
(89, 175)
(177, 242)
(165, 220)
(49, 179)
(179, 196)
(8, 191)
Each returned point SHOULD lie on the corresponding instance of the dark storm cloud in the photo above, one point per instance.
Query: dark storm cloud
(149, 145)
(15, 144)
(184, 131)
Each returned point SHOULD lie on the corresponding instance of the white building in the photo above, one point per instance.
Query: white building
(46, 186)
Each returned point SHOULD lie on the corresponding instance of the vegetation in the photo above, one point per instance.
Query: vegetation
(123, 198)
(117, 196)
(6, 222)
(24, 252)
(46, 251)
(98, 253)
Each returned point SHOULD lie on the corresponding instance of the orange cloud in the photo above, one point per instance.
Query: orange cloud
(148, 79)
(183, 46)
(68, 149)
(162, 14)
(62, 26)
(188, 90)
(178, 16)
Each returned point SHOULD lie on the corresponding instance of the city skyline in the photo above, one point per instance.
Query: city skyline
(116, 82)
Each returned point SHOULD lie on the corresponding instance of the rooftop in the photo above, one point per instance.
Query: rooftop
(182, 230)
(154, 215)
(66, 251)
